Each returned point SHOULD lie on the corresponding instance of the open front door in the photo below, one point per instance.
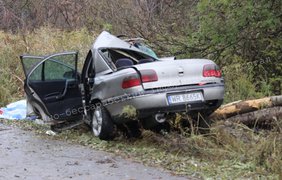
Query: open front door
(52, 86)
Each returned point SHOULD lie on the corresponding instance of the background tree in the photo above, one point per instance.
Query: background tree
(242, 36)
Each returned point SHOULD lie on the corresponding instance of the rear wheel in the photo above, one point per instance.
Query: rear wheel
(102, 125)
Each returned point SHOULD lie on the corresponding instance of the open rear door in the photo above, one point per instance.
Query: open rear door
(52, 86)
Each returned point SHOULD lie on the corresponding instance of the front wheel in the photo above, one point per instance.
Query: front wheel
(102, 125)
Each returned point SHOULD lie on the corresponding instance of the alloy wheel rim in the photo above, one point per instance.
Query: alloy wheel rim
(97, 121)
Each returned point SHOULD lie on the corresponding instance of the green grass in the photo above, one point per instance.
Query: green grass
(230, 151)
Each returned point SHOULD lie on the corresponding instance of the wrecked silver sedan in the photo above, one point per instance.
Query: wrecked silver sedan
(122, 82)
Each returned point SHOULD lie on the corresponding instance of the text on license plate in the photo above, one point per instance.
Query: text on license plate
(183, 98)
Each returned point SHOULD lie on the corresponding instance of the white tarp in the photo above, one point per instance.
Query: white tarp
(15, 110)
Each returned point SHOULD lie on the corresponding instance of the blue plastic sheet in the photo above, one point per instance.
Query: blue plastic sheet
(16, 110)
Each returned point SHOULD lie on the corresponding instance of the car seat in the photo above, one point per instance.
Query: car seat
(123, 63)
(142, 61)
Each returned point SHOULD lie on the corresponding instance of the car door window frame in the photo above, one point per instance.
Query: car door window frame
(40, 58)
(48, 58)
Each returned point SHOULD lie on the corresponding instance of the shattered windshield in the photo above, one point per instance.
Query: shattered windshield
(146, 49)
(139, 43)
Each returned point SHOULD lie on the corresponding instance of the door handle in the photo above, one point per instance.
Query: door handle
(61, 96)
(51, 96)
(57, 95)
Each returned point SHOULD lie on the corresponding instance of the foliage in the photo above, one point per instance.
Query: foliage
(242, 33)
(250, 30)
(238, 85)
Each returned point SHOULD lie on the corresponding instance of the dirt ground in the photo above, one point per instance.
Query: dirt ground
(23, 155)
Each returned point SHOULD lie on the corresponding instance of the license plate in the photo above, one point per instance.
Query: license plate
(184, 98)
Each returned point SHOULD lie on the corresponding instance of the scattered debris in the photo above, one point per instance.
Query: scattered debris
(51, 133)
(39, 121)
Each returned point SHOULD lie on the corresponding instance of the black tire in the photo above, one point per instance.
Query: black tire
(134, 129)
(102, 125)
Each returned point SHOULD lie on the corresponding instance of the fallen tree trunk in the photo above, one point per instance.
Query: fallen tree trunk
(268, 116)
(241, 107)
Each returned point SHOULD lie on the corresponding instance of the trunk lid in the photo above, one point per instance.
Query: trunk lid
(177, 73)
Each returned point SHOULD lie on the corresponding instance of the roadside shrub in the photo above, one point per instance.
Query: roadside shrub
(239, 86)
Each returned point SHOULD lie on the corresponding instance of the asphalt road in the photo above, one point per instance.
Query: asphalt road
(23, 155)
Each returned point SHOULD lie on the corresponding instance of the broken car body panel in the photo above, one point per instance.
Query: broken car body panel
(117, 74)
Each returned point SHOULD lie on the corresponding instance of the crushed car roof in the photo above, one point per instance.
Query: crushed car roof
(107, 41)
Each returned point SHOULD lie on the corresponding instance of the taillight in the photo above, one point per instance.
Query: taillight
(131, 81)
(211, 70)
(147, 75)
